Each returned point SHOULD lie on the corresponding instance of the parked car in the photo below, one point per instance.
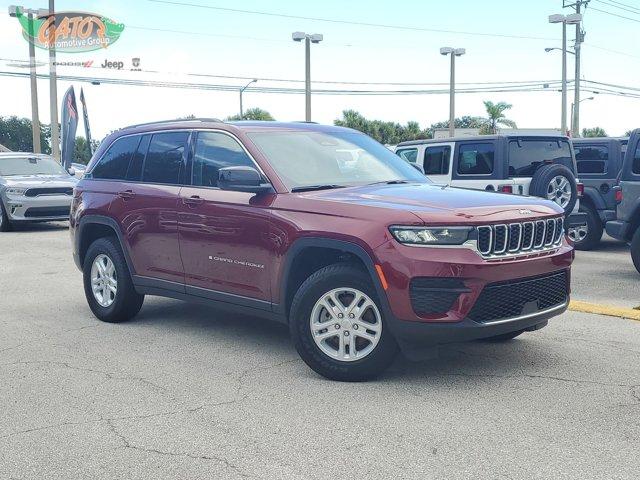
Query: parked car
(541, 165)
(33, 188)
(627, 195)
(599, 161)
(275, 220)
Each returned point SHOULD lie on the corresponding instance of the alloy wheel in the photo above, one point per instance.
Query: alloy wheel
(577, 234)
(104, 281)
(559, 190)
(346, 324)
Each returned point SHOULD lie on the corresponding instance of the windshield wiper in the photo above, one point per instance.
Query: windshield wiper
(309, 188)
(390, 182)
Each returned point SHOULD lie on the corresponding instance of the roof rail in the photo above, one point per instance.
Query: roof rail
(304, 121)
(160, 122)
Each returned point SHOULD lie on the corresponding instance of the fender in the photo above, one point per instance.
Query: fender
(323, 242)
(101, 220)
(593, 194)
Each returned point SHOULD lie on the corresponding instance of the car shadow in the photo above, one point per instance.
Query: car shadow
(608, 244)
(21, 227)
(475, 361)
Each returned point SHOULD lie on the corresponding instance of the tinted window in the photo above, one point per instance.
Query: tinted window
(134, 172)
(475, 159)
(114, 163)
(165, 158)
(409, 154)
(436, 160)
(213, 152)
(636, 160)
(525, 156)
(592, 158)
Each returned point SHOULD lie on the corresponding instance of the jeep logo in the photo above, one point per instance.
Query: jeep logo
(525, 212)
(114, 65)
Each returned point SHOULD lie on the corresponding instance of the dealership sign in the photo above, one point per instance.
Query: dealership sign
(70, 32)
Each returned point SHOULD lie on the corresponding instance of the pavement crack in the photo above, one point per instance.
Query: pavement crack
(544, 377)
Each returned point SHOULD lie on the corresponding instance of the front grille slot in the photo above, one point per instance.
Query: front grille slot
(35, 192)
(496, 241)
(434, 295)
(43, 212)
(504, 300)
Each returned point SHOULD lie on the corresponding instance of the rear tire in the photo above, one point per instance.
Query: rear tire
(106, 304)
(328, 351)
(594, 229)
(543, 184)
(635, 249)
(5, 225)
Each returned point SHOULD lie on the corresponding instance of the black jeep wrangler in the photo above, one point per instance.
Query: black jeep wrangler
(599, 161)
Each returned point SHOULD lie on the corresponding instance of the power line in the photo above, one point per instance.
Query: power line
(614, 14)
(349, 22)
(627, 8)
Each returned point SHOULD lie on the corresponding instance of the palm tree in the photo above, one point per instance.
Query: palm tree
(495, 114)
(594, 132)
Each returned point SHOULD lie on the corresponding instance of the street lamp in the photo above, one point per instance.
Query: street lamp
(565, 20)
(35, 116)
(454, 52)
(308, 40)
(242, 91)
(573, 108)
(550, 49)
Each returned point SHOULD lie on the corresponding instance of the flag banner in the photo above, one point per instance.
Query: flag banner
(69, 127)
(85, 117)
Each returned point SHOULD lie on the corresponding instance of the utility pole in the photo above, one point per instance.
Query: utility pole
(454, 52)
(53, 86)
(241, 92)
(575, 121)
(35, 116)
(308, 40)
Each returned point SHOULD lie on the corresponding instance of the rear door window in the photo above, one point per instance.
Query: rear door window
(436, 160)
(527, 155)
(215, 151)
(409, 154)
(134, 172)
(165, 158)
(114, 163)
(591, 159)
(476, 159)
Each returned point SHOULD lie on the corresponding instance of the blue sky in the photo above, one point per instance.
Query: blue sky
(260, 46)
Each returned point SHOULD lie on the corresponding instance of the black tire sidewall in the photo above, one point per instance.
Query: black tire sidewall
(324, 280)
(544, 175)
(594, 229)
(635, 249)
(126, 301)
(5, 226)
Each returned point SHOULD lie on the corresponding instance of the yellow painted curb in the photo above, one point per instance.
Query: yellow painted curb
(598, 309)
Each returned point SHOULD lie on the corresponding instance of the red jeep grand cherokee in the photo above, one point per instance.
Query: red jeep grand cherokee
(319, 227)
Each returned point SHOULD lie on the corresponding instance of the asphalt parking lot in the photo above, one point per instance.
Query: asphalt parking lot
(187, 392)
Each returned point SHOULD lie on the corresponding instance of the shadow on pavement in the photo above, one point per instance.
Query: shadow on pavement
(27, 227)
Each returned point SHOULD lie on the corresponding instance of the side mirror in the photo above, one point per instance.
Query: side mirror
(72, 171)
(242, 179)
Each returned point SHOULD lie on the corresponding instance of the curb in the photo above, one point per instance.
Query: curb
(599, 309)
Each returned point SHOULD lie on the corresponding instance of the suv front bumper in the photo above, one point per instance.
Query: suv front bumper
(37, 209)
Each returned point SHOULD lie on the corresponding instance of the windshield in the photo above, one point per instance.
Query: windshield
(525, 156)
(305, 159)
(30, 166)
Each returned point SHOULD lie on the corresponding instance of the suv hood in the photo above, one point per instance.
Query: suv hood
(30, 181)
(434, 204)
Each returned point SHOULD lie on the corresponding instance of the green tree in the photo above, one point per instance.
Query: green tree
(253, 114)
(628, 133)
(389, 133)
(15, 134)
(496, 117)
(81, 152)
(465, 121)
(594, 132)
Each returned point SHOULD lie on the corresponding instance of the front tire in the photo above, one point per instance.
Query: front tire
(337, 325)
(635, 249)
(594, 230)
(107, 282)
(5, 225)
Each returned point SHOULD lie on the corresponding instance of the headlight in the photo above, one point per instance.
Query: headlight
(431, 235)
(16, 191)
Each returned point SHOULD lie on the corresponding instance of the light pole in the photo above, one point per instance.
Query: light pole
(565, 20)
(35, 116)
(53, 86)
(454, 52)
(242, 91)
(308, 40)
(573, 112)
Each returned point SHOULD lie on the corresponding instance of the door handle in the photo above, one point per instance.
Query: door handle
(126, 194)
(193, 201)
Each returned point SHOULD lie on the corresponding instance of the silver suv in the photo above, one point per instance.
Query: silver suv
(33, 188)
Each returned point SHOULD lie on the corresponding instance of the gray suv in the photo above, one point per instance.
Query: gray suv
(627, 194)
(33, 188)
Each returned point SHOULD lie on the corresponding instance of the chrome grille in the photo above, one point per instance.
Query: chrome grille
(506, 240)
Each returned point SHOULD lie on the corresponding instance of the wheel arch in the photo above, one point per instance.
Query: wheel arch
(93, 227)
(309, 254)
(592, 196)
